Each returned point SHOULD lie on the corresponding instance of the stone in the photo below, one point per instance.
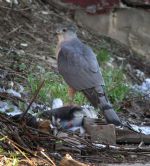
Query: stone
(100, 133)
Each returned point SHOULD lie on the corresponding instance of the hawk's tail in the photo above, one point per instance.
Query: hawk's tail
(99, 100)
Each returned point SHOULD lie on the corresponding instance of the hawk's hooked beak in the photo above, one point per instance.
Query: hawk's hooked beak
(58, 31)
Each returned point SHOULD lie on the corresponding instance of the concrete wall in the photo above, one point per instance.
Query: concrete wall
(130, 26)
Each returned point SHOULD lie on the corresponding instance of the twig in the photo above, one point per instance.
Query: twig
(122, 149)
(42, 132)
(32, 100)
(12, 71)
(25, 149)
(13, 31)
(6, 95)
(85, 142)
(8, 8)
(44, 154)
(12, 143)
(135, 98)
(15, 145)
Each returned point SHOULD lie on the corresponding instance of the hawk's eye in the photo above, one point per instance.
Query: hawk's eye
(64, 30)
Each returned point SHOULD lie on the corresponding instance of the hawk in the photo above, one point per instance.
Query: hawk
(78, 65)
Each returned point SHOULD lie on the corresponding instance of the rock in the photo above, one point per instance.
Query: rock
(24, 44)
(44, 125)
(100, 133)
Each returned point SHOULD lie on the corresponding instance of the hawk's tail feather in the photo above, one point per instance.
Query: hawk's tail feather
(99, 100)
(92, 96)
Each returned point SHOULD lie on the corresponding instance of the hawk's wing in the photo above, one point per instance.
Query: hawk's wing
(78, 65)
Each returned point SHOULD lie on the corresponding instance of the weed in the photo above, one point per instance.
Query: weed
(116, 85)
(54, 87)
(9, 157)
(103, 56)
(22, 67)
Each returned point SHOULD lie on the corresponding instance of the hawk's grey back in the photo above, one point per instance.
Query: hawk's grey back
(76, 60)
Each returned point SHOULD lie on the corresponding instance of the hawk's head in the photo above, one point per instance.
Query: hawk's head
(66, 28)
(66, 32)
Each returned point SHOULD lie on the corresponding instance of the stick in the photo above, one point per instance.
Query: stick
(32, 100)
(16, 146)
(44, 154)
(13, 31)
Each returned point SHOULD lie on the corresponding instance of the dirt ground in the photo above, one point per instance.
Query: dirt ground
(27, 35)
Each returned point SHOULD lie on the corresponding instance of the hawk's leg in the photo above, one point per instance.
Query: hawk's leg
(71, 93)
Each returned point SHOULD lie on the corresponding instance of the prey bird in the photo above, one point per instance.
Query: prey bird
(78, 65)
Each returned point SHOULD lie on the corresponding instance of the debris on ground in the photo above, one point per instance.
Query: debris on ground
(34, 131)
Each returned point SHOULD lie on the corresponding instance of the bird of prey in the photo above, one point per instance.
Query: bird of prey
(78, 65)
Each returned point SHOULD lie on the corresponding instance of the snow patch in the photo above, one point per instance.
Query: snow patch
(144, 88)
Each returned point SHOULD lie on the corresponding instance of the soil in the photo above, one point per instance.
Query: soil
(28, 37)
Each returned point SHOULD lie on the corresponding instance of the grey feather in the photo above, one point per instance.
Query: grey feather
(78, 65)
(98, 100)
(76, 60)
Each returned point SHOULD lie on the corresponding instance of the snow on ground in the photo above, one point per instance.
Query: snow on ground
(144, 88)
